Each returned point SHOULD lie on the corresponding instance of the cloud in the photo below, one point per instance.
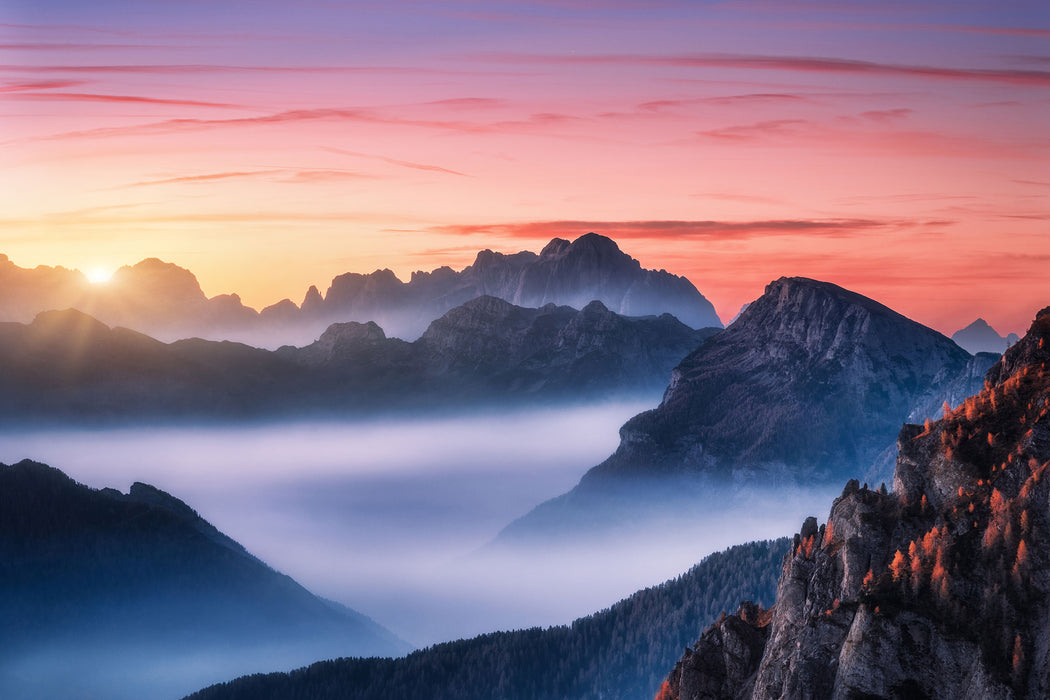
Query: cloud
(749, 132)
(799, 64)
(885, 116)
(115, 99)
(663, 230)
(27, 85)
(395, 161)
(469, 103)
(208, 177)
(753, 98)
(171, 126)
(62, 46)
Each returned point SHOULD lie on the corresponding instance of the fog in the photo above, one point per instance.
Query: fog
(389, 517)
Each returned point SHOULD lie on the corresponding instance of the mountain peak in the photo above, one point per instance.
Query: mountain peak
(555, 247)
(68, 322)
(979, 336)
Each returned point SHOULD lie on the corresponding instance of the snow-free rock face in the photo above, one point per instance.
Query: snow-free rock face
(939, 589)
(809, 387)
(981, 337)
(564, 273)
(812, 380)
(166, 301)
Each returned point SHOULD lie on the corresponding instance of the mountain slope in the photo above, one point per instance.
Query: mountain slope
(939, 589)
(810, 385)
(166, 301)
(66, 366)
(113, 582)
(614, 654)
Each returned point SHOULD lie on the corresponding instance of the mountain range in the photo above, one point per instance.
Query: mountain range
(165, 301)
(134, 595)
(938, 589)
(808, 387)
(66, 366)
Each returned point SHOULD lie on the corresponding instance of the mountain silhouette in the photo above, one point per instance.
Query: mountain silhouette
(105, 581)
(165, 301)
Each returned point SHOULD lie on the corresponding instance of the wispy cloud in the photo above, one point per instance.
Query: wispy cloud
(395, 161)
(287, 175)
(886, 116)
(171, 126)
(657, 230)
(728, 100)
(801, 64)
(114, 99)
(207, 177)
(63, 46)
(763, 129)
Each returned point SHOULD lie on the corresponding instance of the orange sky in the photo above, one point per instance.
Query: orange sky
(898, 149)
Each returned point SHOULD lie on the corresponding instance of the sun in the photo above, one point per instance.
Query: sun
(98, 275)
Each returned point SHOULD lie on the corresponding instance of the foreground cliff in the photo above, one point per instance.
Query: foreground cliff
(940, 589)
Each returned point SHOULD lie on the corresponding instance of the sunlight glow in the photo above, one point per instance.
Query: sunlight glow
(98, 275)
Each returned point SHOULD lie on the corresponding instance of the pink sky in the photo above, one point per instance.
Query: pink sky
(899, 149)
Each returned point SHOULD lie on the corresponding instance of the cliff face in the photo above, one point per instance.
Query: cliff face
(938, 589)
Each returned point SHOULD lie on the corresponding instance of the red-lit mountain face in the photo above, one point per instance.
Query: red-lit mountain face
(938, 589)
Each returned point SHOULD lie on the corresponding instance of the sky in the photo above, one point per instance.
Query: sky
(900, 149)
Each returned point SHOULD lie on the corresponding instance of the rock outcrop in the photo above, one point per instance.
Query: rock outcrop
(939, 589)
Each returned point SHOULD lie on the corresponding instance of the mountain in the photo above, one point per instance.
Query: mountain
(67, 366)
(808, 386)
(166, 301)
(614, 654)
(139, 597)
(980, 337)
(938, 589)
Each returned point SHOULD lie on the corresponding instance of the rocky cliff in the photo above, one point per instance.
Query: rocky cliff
(939, 589)
(807, 388)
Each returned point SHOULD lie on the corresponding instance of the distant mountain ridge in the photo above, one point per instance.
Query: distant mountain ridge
(117, 581)
(165, 301)
(808, 386)
(67, 366)
(980, 337)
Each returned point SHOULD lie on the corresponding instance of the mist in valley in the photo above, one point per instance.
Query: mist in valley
(396, 518)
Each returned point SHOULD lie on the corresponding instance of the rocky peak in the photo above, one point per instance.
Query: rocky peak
(156, 281)
(941, 588)
(979, 336)
(555, 247)
(313, 302)
(811, 377)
